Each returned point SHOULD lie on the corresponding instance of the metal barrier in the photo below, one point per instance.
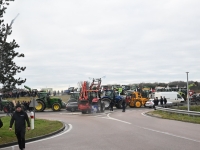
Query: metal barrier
(185, 112)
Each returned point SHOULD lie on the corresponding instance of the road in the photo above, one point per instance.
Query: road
(132, 130)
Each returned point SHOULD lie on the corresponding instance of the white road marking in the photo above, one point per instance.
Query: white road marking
(170, 134)
(108, 115)
(70, 128)
(166, 133)
(143, 113)
(70, 113)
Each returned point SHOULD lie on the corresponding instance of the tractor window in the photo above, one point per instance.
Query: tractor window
(133, 95)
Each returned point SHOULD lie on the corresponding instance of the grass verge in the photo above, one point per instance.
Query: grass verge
(192, 107)
(174, 116)
(42, 127)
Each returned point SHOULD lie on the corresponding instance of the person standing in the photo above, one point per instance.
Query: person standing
(111, 105)
(161, 101)
(1, 123)
(19, 117)
(165, 101)
(123, 105)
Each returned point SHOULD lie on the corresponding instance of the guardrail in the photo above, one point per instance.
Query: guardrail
(185, 112)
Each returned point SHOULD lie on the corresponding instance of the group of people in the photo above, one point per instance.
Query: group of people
(162, 100)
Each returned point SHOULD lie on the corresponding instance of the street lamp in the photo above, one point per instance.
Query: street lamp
(188, 103)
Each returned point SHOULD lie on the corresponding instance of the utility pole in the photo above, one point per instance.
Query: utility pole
(188, 103)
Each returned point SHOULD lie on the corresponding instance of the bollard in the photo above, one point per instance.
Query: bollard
(32, 120)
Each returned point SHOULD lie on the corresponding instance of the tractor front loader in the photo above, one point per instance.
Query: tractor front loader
(89, 99)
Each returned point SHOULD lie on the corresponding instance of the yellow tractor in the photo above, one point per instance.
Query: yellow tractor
(135, 99)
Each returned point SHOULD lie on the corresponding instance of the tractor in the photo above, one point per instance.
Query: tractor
(45, 101)
(135, 99)
(89, 99)
(112, 95)
(3, 105)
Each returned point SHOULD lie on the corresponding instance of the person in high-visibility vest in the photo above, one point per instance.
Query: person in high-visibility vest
(120, 90)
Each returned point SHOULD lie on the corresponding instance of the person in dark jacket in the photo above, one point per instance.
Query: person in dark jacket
(165, 101)
(1, 123)
(155, 101)
(123, 105)
(111, 105)
(19, 117)
(161, 101)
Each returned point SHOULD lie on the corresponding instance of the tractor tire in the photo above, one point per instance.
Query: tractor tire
(102, 107)
(5, 110)
(137, 104)
(84, 112)
(40, 107)
(106, 102)
(56, 107)
(119, 105)
(98, 107)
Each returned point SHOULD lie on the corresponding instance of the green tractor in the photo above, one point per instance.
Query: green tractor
(45, 101)
(3, 105)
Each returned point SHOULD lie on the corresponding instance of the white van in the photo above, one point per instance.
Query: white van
(173, 97)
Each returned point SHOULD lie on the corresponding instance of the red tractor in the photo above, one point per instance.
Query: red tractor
(90, 97)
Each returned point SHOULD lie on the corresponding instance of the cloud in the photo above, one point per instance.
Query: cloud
(128, 41)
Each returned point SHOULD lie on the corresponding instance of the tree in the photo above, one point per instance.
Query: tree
(8, 68)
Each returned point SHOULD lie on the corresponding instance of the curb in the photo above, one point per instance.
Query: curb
(35, 138)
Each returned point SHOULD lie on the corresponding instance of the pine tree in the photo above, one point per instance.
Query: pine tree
(8, 68)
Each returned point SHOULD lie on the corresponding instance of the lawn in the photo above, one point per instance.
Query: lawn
(192, 107)
(174, 116)
(42, 127)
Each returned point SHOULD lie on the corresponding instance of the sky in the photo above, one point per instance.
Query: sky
(66, 42)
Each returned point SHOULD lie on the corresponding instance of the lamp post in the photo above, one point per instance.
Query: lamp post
(188, 103)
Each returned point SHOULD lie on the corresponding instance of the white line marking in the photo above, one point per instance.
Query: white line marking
(166, 133)
(108, 115)
(170, 134)
(70, 128)
(143, 113)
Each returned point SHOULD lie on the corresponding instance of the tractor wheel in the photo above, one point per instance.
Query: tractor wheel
(102, 107)
(56, 107)
(119, 105)
(138, 104)
(40, 107)
(106, 102)
(98, 107)
(84, 112)
(5, 110)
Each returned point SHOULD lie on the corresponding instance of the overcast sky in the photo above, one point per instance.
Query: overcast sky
(128, 41)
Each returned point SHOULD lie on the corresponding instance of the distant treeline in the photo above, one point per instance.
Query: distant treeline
(196, 87)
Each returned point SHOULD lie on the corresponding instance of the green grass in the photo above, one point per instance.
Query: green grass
(192, 107)
(174, 116)
(42, 127)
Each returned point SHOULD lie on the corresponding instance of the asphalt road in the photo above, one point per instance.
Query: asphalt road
(132, 130)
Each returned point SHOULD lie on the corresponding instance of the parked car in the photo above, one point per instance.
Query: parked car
(72, 104)
(150, 103)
